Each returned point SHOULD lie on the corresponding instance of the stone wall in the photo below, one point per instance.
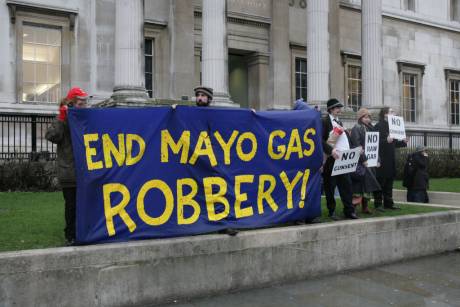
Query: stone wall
(156, 271)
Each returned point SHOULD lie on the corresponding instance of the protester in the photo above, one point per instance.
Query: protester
(416, 176)
(59, 134)
(203, 96)
(332, 149)
(363, 180)
(300, 104)
(387, 170)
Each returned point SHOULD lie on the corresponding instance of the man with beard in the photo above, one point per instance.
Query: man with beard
(203, 96)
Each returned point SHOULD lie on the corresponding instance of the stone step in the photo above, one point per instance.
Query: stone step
(444, 198)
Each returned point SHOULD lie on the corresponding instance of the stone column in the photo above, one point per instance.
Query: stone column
(258, 75)
(182, 44)
(215, 50)
(317, 51)
(129, 85)
(280, 58)
(371, 50)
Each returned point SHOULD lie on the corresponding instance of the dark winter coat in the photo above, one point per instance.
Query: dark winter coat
(421, 177)
(366, 183)
(59, 133)
(387, 151)
(327, 149)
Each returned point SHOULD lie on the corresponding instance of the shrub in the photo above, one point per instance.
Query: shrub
(442, 162)
(28, 176)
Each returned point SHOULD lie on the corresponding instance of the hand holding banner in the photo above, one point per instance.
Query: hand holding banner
(163, 172)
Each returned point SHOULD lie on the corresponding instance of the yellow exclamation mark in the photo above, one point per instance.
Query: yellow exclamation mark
(303, 188)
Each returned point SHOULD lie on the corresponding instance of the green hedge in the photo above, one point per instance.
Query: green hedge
(41, 175)
(28, 176)
(442, 162)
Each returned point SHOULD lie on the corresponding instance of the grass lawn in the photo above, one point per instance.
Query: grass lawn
(31, 220)
(36, 220)
(437, 184)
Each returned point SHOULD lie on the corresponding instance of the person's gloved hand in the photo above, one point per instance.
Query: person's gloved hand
(62, 113)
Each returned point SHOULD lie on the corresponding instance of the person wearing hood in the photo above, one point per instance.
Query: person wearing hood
(300, 104)
(419, 178)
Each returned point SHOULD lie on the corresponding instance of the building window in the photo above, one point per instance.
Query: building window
(454, 10)
(41, 63)
(409, 5)
(409, 96)
(454, 97)
(149, 65)
(300, 78)
(352, 79)
(43, 39)
(411, 81)
(354, 87)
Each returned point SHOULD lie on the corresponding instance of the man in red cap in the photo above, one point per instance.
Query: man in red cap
(59, 133)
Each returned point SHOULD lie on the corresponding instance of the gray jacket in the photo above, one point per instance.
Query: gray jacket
(59, 133)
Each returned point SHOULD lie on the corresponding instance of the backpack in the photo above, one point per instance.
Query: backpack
(409, 171)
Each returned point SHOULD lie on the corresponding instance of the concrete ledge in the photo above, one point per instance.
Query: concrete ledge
(155, 271)
(445, 198)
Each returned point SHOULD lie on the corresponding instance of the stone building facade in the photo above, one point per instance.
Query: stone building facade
(261, 54)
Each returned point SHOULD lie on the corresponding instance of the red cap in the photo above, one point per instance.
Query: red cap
(76, 92)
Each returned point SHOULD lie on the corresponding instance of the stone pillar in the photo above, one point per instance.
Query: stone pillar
(371, 50)
(182, 46)
(336, 73)
(280, 58)
(215, 50)
(129, 85)
(258, 87)
(318, 51)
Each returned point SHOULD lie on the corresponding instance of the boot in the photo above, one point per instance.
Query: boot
(365, 208)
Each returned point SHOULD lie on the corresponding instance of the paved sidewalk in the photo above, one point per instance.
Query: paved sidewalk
(429, 281)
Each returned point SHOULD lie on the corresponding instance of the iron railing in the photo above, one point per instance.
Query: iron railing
(434, 140)
(23, 137)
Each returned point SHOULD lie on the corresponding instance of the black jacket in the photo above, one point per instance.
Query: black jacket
(421, 177)
(327, 128)
(387, 151)
(358, 136)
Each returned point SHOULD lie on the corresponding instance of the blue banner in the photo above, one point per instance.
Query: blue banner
(163, 172)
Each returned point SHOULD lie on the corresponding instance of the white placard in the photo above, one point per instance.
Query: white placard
(371, 148)
(342, 141)
(347, 162)
(396, 126)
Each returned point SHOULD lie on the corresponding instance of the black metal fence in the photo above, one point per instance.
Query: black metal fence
(434, 140)
(23, 137)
